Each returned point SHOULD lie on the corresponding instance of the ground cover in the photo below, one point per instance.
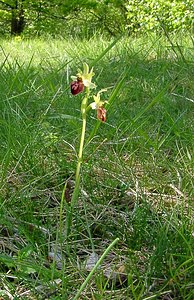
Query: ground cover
(137, 174)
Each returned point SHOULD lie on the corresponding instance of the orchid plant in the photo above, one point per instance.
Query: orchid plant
(82, 82)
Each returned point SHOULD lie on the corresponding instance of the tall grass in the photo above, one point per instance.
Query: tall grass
(137, 176)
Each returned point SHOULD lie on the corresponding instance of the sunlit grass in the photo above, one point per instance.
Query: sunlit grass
(137, 176)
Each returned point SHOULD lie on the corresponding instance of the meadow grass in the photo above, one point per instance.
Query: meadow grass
(137, 175)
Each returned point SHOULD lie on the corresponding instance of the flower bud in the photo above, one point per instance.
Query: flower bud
(77, 87)
(101, 114)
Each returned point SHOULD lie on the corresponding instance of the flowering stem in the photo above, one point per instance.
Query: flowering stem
(77, 175)
(80, 155)
(83, 111)
(81, 146)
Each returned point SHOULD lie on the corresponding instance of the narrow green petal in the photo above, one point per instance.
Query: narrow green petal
(85, 68)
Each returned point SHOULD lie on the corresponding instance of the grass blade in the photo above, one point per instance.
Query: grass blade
(95, 268)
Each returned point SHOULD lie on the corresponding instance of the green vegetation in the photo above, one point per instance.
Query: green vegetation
(136, 182)
(85, 17)
(148, 15)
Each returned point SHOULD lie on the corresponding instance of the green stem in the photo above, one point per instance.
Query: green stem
(81, 146)
(75, 195)
(81, 139)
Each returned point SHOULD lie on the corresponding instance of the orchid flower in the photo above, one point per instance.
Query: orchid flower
(99, 106)
(83, 79)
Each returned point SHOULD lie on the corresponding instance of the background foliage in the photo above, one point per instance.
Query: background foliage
(59, 17)
(149, 15)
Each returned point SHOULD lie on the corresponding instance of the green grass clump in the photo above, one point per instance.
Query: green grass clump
(137, 175)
